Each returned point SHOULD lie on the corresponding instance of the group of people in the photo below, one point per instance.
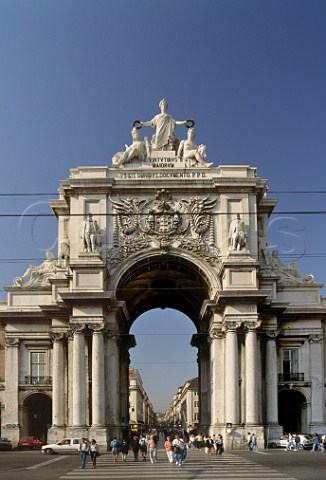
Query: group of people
(144, 447)
(252, 442)
(294, 442)
(209, 443)
(141, 446)
(88, 448)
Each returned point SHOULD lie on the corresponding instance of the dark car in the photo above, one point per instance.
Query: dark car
(5, 444)
(29, 443)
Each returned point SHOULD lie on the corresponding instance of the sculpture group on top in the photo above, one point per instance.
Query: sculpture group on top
(163, 140)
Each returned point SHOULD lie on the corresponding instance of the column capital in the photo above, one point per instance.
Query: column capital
(96, 328)
(216, 333)
(231, 325)
(251, 326)
(12, 342)
(316, 338)
(77, 328)
(271, 334)
(57, 336)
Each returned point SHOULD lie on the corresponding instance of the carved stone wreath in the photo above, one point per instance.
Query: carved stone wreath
(163, 223)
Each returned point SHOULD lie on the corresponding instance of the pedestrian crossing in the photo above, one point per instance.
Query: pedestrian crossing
(197, 466)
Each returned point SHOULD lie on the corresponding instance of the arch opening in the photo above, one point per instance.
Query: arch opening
(37, 415)
(164, 282)
(166, 361)
(292, 411)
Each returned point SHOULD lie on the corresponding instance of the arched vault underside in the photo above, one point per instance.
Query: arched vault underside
(164, 281)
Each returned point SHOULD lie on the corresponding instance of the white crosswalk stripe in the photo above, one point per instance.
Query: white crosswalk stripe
(197, 466)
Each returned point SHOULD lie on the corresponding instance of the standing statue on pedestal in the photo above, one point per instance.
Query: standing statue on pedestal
(165, 126)
(237, 234)
(136, 150)
(90, 234)
(191, 153)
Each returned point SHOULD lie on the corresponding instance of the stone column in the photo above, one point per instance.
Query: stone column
(317, 381)
(79, 380)
(201, 341)
(251, 375)
(271, 379)
(113, 383)
(98, 379)
(231, 373)
(217, 337)
(10, 419)
(58, 370)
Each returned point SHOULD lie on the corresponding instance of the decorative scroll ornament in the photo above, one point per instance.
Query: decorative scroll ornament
(40, 275)
(288, 273)
(162, 222)
(316, 338)
(12, 341)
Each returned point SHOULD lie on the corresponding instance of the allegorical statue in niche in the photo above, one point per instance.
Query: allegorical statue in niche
(237, 234)
(90, 234)
(38, 274)
(191, 153)
(136, 150)
(64, 250)
(165, 126)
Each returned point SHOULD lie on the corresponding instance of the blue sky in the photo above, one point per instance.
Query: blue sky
(76, 73)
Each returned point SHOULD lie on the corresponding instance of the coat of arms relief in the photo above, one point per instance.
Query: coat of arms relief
(163, 222)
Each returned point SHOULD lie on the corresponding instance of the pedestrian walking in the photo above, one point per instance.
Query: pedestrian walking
(208, 445)
(152, 449)
(254, 443)
(178, 449)
(219, 445)
(83, 452)
(289, 444)
(143, 447)
(199, 441)
(124, 449)
(249, 441)
(95, 451)
(169, 449)
(192, 440)
(296, 442)
(315, 445)
(135, 447)
(115, 444)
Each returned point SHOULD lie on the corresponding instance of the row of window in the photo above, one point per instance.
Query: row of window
(38, 363)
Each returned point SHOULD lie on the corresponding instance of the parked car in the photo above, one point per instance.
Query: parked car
(5, 444)
(67, 445)
(29, 443)
(305, 441)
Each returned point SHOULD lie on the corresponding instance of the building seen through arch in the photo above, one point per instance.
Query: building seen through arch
(162, 228)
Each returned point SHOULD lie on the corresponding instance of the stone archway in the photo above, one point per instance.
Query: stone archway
(292, 409)
(37, 415)
(169, 281)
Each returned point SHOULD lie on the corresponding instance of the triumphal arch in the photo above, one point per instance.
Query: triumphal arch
(161, 227)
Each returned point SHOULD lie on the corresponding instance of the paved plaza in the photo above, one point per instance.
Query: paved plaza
(197, 466)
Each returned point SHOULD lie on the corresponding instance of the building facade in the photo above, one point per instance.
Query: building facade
(184, 411)
(141, 413)
(162, 228)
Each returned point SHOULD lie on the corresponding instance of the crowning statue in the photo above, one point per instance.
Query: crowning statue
(163, 140)
(165, 126)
